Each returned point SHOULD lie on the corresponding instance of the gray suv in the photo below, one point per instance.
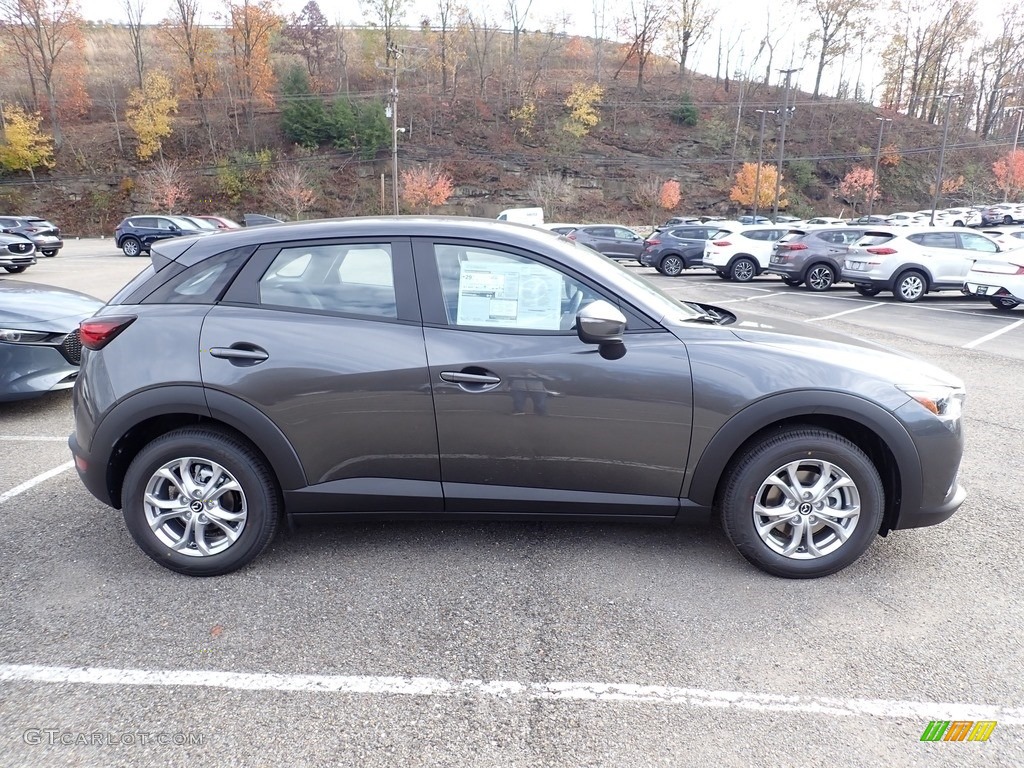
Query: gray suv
(464, 368)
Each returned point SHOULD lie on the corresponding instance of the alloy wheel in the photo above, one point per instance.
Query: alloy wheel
(671, 265)
(820, 278)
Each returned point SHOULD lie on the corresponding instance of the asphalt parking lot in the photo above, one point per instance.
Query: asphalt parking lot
(522, 644)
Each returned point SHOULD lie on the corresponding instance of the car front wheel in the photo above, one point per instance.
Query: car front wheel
(910, 286)
(743, 270)
(17, 268)
(802, 503)
(200, 502)
(671, 265)
(131, 247)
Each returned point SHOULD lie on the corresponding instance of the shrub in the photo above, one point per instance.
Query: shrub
(686, 113)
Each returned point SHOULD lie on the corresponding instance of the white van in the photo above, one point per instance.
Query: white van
(534, 216)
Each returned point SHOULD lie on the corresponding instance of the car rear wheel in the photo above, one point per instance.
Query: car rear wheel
(958, 223)
(1003, 304)
(743, 270)
(131, 247)
(802, 503)
(671, 265)
(201, 502)
(17, 268)
(910, 286)
(867, 290)
(820, 277)
(49, 252)
(1007, 219)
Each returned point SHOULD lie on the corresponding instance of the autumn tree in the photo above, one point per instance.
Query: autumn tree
(164, 187)
(47, 35)
(25, 147)
(195, 47)
(388, 15)
(291, 187)
(858, 186)
(447, 18)
(689, 24)
(425, 187)
(642, 27)
(251, 25)
(482, 33)
(838, 21)
(582, 105)
(1009, 174)
(890, 156)
(133, 10)
(670, 195)
(749, 186)
(149, 113)
(309, 34)
(551, 191)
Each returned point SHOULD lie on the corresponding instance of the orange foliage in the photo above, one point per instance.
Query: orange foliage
(424, 187)
(669, 196)
(1009, 173)
(251, 25)
(743, 191)
(890, 156)
(857, 185)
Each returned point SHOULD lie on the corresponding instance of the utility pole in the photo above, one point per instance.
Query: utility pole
(942, 154)
(786, 113)
(393, 108)
(878, 155)
(1013, 152)
(760, 158)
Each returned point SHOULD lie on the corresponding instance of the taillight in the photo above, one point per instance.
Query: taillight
(97, 332)
(31, 229)
(570, 236)
(1020, 270)
(795, 247)
(652, 242)
(721, 243)
(881, 251)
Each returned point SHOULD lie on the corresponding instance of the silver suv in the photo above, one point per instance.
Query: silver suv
(913, 262)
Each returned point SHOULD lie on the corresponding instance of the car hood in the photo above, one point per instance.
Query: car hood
(12, 237)
(31, 306)
(825, 346)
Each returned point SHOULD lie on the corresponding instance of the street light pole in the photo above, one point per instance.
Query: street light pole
(782, 140)
(942, 154)
(878, 155)
(1013, 152)
(760, 159)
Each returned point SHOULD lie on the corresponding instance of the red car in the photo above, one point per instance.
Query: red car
(221, 222)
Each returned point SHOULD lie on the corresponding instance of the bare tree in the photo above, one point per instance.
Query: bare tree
(447, 11)
(689, 23)
(482, 34)
(836, 20)
(133, 10)
(517, 11)
(292, 189)
(551, 191)
(192, 42)
(308, 33)
(388, 15)
(600, 28)
(164, 186)
(642, 27)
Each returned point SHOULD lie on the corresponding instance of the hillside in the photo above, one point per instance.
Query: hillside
(462, 124)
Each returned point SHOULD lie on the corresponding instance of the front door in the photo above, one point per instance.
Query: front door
(529, 418)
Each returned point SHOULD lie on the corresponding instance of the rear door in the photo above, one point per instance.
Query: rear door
(941, 255)
(628, 243)
(325, 339)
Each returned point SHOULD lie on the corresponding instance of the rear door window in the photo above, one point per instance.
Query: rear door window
(972, 242)
(934, 239)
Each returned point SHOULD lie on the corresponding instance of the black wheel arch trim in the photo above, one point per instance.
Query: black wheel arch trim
(902, 269)
(709, 469)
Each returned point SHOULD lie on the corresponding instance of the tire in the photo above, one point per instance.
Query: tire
(867, 290)
(1006, 305)
(672, 265)
(130, 246)
(910, 286)
(258, 499)
(17, 268)
(958, 223)
(791, 282)
(778, 549)
(820, 277)
(1007, 219)
(723, 275)
(49, 253)
(743, 270)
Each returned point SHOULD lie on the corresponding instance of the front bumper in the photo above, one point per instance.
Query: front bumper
(28, 370)
(17, 260)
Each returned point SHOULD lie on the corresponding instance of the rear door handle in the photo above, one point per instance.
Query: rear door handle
(248, 353)
(459, 377)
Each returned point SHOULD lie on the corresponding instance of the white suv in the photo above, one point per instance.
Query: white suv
(741, 252)
(912, 262)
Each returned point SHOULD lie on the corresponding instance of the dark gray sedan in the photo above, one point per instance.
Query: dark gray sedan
(40, 349)
(615, 242)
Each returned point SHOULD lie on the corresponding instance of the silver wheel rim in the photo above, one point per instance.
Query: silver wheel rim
(806, 509)
(131, 248)
(195, 507)
(820, 278)
(743, 271)
(672, 265)
(911, 287)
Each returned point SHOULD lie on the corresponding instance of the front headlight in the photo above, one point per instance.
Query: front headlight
(18, 336)
(945, 402)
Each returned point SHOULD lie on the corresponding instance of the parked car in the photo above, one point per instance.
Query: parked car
(44, 234)
(906, 219)
(673, 250)
(785, 218)
(560, 228)
(677, 221)
(40, 349)
(1000, 280)
(258, 220)
(534, 216)
(309, 369)
(815, 258)
(823, 221)
(862, 220)
(741, 253)
(615, 242)
(915, 262)
(749, 219)
(221, 222)
(959, 217)
(136, 234)
(199, 222)
(17, 253)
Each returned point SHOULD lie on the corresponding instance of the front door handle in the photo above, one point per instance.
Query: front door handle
(461, 377)
(242, 353)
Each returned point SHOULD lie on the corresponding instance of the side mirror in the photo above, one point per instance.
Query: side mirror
(600, 323)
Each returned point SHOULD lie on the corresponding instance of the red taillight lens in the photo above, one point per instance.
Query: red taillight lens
(1020, 270)
(570, 236)
(97, 332)
(652, 242)
(882, 251)
(721, 243)
(795, 247)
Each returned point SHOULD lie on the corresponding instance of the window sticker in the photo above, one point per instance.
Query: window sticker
(510, 296)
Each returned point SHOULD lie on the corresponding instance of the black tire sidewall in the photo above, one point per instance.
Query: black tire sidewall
(672, 258)
(138, 246)
(261, 500)
(755, 467)
(898, 293)
(831, 282)
(737, 263)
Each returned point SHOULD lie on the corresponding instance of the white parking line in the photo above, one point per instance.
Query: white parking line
(994, 334)
(35, 481)
(845, 312)
(506, 689)
(32, 439)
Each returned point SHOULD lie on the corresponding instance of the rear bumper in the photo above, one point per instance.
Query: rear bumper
(93, 476)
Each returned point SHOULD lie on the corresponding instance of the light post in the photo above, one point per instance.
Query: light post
(1013, 152)
(878, 155)
(782, 140)
(942, 155)
(760, 158)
